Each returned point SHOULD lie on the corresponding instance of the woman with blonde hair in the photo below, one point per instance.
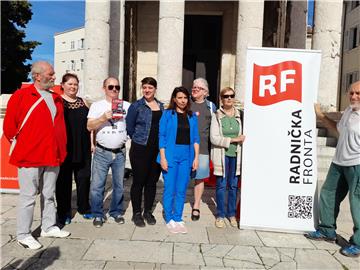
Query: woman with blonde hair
(226, 138)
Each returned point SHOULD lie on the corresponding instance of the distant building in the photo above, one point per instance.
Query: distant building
(69, 54)
(350, 67)
(178, 41)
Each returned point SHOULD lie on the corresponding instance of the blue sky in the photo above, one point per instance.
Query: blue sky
(50, 17)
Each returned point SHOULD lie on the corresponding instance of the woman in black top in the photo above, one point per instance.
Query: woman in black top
(78, 158)
(142, 125)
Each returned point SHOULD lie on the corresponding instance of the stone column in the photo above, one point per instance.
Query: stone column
(117, 27)
(97, 45)
(327, 38)
(170, 47)
(249, 34)
(298, 27)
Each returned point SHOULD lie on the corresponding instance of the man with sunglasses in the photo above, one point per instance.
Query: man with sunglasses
(110, 136)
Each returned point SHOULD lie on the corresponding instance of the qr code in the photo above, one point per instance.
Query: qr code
(300, 206)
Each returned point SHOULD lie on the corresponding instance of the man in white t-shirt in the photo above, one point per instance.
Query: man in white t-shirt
(111, 136)
(343, 175)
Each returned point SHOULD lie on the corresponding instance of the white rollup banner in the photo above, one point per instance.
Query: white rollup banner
(279, 164)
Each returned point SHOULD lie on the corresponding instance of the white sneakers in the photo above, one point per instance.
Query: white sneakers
(55, 231)
(176, 227)
(29, 242)
(181, 227)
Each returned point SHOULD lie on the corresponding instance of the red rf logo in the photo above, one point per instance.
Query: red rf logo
(272, 84)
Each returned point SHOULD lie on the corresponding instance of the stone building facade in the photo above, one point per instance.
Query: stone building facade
(177, 41)
(350, 64)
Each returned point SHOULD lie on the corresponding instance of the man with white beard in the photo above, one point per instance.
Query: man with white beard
(343, 175)
(35, 119)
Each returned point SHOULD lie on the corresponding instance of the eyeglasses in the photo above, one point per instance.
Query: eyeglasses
(197, 88)
(228, 96)
(111, 87)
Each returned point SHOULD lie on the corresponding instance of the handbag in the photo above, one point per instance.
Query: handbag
(13, 140)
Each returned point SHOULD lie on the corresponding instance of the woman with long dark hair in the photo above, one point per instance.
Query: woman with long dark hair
(179, 155)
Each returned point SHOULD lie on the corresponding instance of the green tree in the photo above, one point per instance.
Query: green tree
(14, 50)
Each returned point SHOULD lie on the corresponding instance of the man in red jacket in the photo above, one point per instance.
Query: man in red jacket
(40, 149)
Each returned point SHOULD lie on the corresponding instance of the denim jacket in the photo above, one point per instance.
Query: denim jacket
(168, 131)
(138, 121)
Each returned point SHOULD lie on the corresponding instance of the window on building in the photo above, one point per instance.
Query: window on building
(351, 78)
(72, 45)
(81, 64)
(353, 38)
(73, 65)
(354, 4)
(82, 44)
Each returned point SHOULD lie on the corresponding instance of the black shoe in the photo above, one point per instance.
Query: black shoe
(138, 220)
(150, 219)
(98, 222)
(195, 217)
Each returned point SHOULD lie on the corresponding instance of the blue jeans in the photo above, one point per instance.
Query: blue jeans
(176, 180)
(231, 181)
(102, 161)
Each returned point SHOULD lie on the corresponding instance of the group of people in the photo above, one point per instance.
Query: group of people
(61, 137)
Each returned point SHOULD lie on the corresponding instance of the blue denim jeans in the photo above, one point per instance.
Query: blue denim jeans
(231, 181)
(102, 161)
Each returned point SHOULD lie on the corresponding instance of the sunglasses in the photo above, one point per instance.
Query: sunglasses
(228, 96)
(111, 87)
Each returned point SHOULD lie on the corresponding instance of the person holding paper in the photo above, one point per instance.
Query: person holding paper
(142, 124)
(226, 138)
(343, 176)
(107, 119)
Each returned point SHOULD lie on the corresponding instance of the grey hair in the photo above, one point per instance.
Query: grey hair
(204, 82)
(37, 68)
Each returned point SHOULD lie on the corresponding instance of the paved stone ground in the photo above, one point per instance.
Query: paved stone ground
(205, 247)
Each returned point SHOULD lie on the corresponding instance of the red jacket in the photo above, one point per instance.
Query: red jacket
(41, 142)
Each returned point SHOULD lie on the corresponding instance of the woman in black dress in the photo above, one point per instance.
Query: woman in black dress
(78, 160)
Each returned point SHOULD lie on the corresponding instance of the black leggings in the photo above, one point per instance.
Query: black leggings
(82, 172)
(146, 172)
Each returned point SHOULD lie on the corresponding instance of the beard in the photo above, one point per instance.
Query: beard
(355, 106)
(47, 84)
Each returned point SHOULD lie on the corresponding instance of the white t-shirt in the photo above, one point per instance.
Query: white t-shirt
(111, 134)
(348, 147)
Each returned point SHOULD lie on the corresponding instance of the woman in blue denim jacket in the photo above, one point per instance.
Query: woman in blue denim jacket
(179, 155)
(142, 124)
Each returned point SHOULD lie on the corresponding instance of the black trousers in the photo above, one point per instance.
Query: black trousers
(82, 173)
(146, 172)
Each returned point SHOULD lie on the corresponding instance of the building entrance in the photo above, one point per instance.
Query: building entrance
(202, 47)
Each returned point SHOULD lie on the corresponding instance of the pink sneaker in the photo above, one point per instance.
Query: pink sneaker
(181, 227)
(172, 226)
